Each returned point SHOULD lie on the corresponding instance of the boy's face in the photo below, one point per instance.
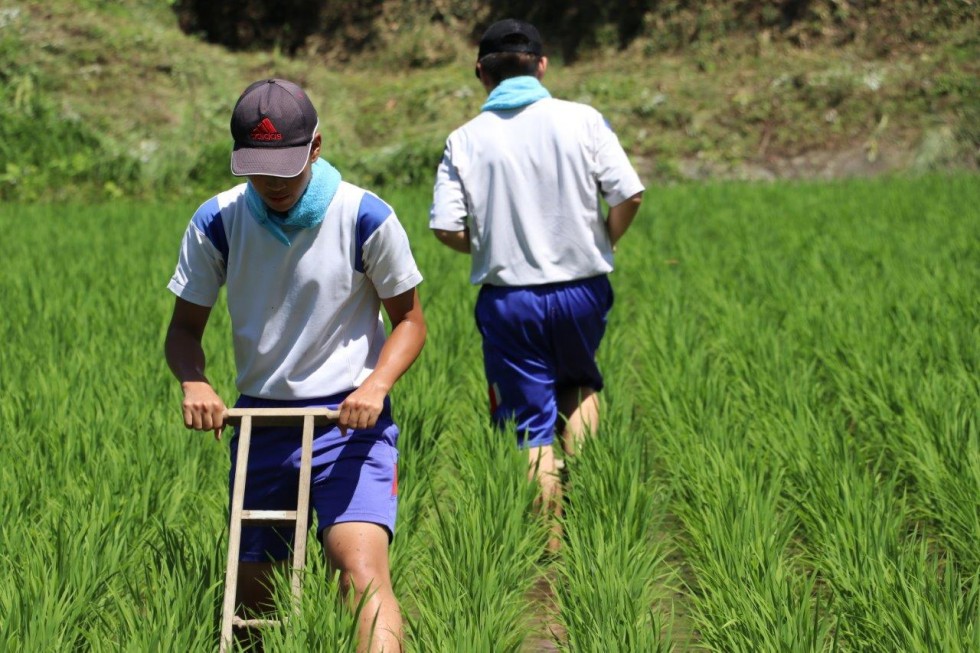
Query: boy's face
(281, 193)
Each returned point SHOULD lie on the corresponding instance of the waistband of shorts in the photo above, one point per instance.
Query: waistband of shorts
(552, 285)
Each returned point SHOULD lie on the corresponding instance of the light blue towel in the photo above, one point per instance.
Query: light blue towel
(514, 93)
(307, 212)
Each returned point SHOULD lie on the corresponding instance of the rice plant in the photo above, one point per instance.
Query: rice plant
(787, 461)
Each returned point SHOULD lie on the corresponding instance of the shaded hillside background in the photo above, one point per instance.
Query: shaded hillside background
(110, 98)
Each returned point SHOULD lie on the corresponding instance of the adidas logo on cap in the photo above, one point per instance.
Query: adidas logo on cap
(265, 131)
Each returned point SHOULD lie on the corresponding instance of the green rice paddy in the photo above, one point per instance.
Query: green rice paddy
(789, 457)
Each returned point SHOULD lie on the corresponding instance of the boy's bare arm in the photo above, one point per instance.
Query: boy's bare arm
(621, 217)
(203, 409)
(362, 407)
(458, 241)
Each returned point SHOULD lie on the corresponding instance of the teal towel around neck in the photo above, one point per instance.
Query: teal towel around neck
(514, 93)
(306, 213)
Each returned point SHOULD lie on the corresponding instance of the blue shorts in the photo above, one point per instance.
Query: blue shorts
(353, 478)
(538, 341)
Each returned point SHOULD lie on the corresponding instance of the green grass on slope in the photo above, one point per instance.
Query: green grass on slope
(130, 106)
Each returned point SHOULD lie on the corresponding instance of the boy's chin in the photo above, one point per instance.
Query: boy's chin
(279, 206)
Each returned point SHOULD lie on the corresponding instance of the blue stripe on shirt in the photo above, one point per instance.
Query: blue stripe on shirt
(208, 219)
(370, 215)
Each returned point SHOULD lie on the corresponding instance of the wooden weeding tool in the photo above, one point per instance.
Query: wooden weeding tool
(245, 419)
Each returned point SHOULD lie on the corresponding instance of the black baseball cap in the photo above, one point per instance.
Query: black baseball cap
(273, 125)
(510, 35)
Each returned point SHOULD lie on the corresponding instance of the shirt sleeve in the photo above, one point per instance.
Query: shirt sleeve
(385, 251)
(200, 269)
(618, 180)
(448, 211)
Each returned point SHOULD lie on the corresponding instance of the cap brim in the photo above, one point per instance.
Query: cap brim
(272, 162)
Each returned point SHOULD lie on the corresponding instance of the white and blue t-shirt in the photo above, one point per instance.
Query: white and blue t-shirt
(527, 183)
(306, 317)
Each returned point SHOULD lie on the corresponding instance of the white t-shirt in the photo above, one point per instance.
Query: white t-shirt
(306, 317)
(527, 182)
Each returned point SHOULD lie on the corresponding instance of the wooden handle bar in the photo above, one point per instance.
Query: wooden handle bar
(282, 416)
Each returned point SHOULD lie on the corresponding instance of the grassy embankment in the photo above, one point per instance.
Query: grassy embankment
(111, 100)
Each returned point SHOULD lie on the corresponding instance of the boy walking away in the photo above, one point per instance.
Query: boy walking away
(307, 261)
(519, 188)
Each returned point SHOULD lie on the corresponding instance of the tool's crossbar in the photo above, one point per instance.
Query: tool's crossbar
(245, 419)
(281, 416)
(268, 517)
(255, 623)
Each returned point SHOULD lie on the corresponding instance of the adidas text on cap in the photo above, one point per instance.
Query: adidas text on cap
(510, 35)
(273, 125)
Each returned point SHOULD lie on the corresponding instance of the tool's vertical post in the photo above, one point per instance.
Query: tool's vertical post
(235, 531)
(302, 510)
